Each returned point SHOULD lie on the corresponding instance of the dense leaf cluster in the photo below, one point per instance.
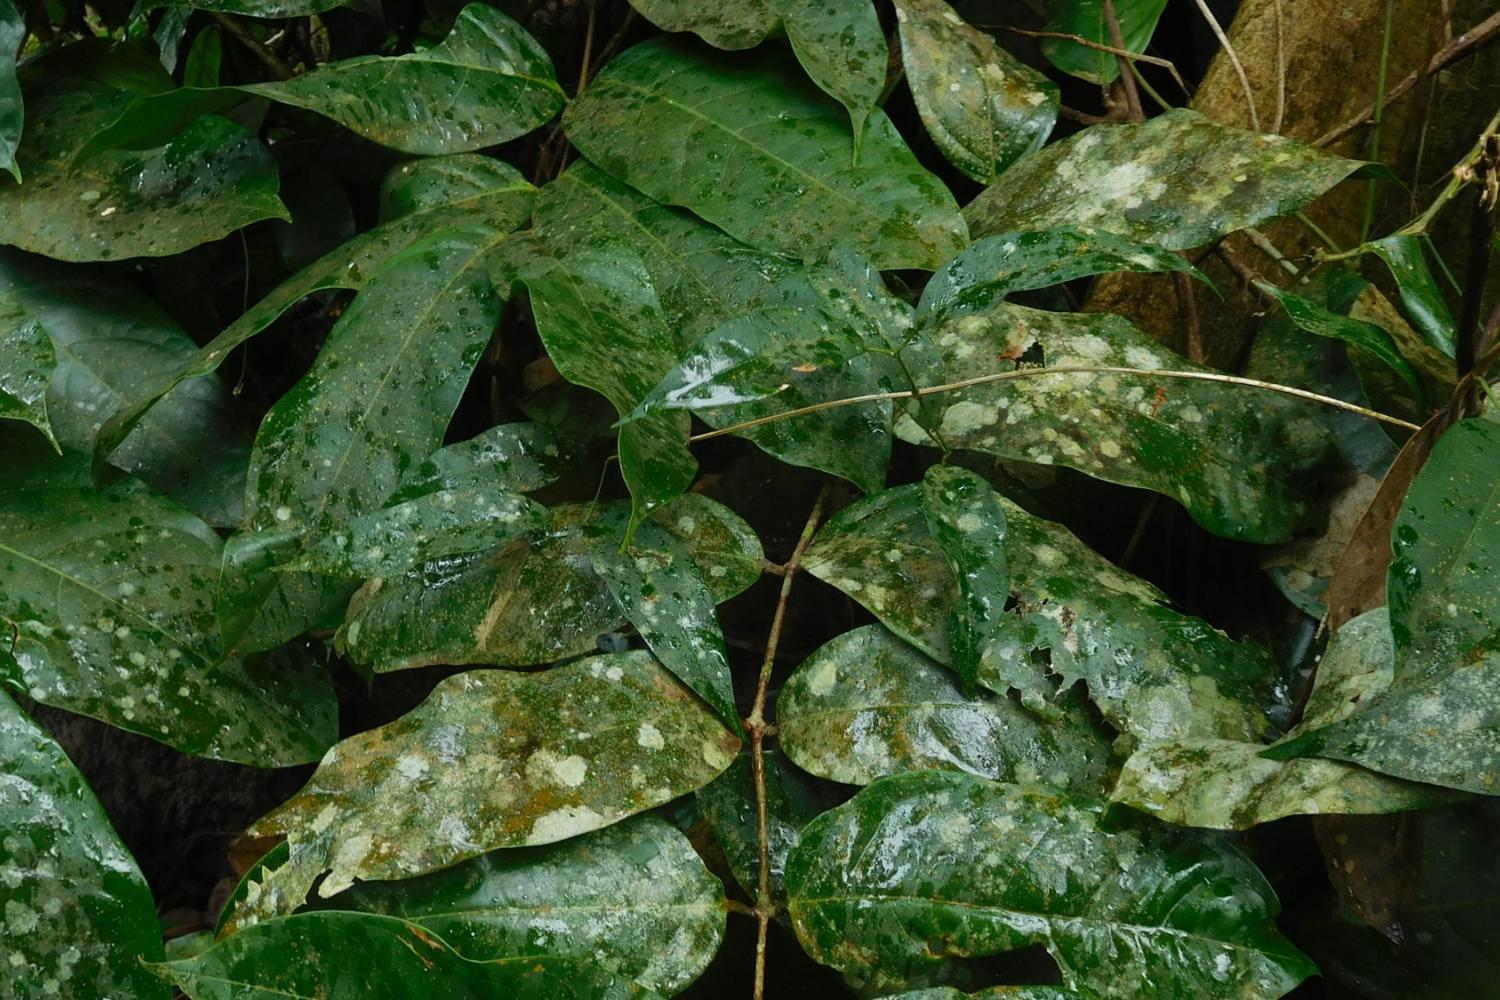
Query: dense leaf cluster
(478, 453)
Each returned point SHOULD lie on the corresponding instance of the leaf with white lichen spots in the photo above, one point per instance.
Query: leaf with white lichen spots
(492, 759)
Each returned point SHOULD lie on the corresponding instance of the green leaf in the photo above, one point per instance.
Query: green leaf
(1178, 180)
(488, 82)
(866, 705)
(1226, 785)
(599, 317)
(966, 867)
(426, 528)
(107, 339)
(78, 913)
(107, 595)
(840, 45)
(518, 457)
(1419, 291)
(633, 898)
(335, 955)
(1232, 455)
(201, 68)
(663, 594)
(993, 993)
(26, 369)
(375, 402)
(268, 9)
(995, 267)
(743, 143)
(1085, 18)
(206, 181)
(536, 599)
(983, 107)
(964, 518)
(12, 113)
(420, 199)
(728, 804)
(492, 759)
(1153, 673)
(1363, 336)
(1435, 716)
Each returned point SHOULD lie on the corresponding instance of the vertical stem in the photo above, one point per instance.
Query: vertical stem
(1127, 79)
(1234, 61)
(765, 906)
(1380, 91)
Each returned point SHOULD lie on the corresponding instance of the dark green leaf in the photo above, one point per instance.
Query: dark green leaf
(488, 82)
(264, 8)
(867, 705)
(482, 191)
(995, 267)
(1436, 716)
(12, 114)
(108, 339)
(1154, 673)
(1178, 180)
(206, 181)
(964, 518)
(26, 365)
(518, 457)
(1419, 292)
(728, 804)
(78, 915)
(536, 599)
(335, 955)
(840, 45)
(201, 68)
(1363, 336)
(633, 898)
(663, 594)
(982, 106)
(599, 317)
(993, 993)
(739, 140)
(923, 867)
(1232, 455)
(107, 595)
(493, 759)
(375, 403)
(1085, 18)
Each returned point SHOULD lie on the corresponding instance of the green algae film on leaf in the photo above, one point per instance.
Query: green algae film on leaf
(965, 519)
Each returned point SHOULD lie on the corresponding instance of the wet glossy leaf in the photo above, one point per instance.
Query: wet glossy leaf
(1231, 455)
(728, 804)
(664, 595)
(1437, 719)
(488, 82)
(840, 45)
(1085, 18)
(335, 955)
(1227, 786)
(1153, 673)
(993, 993)
(426, 528)
(602, 324)
(478, 190)
(1361, 335)
(265, 8)
(982, 106)
(1420, 296)
(866, 705)
(26, 365)
(208, 180)
(965, 519)
(997, 266)
(536, 599)
(518, 457)
(740, 141)
(12, 114)
(633, 898)
(923, 867)
(107, 594)
(493, 759)
(78, 914)
(375, 402)
(1178, 180)
(108, 338)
